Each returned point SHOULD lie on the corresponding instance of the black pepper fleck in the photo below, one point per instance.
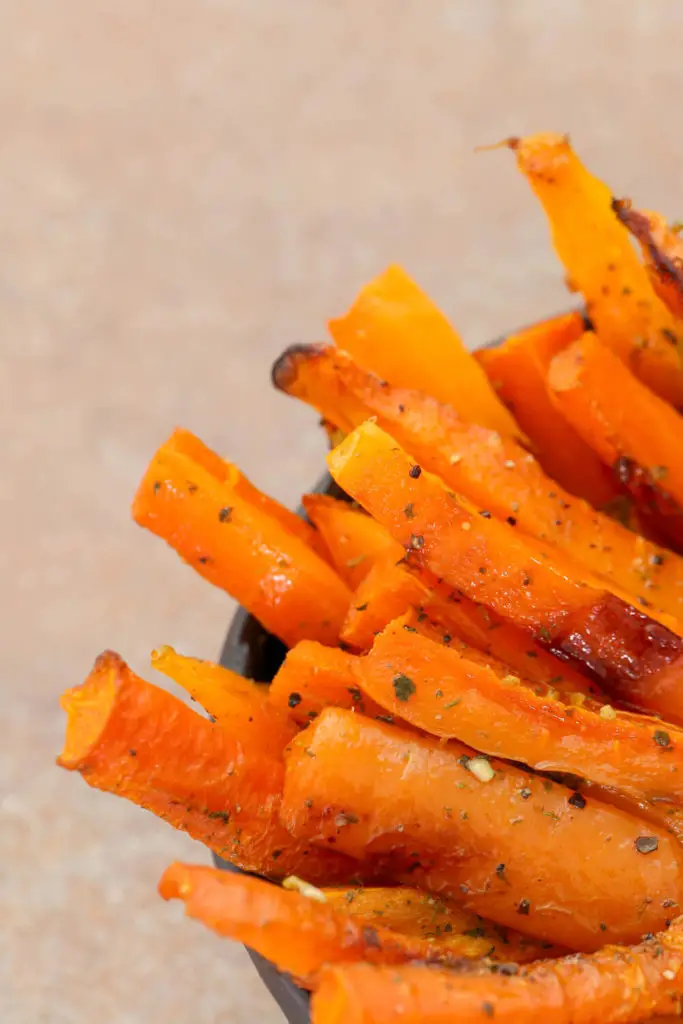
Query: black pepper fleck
(415, 471)
(578, 801)
(225, 514)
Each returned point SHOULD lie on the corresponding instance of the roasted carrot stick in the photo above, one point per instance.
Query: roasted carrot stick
(395, 330)
(625, 422)
(448, 694)
(417, 913)
(390, 590)
(511, 846)
(600, 261)
(503, 643)
(616, 985)
(228, 697)
(495, 473)
(298, 934)
(185, 443)
(132, 739)
(353, 540)
(312, 677)
(662, 249)
(517, 369)
(242, 549)
(538, 590)
(387, 591)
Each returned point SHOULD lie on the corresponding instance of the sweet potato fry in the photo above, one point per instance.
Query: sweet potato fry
(616, 985)
(186, 443)
(132, 739)
(353, 539)
(662, 249)
(537, 590)
(417, 913)
(313, 677)
(228, 697)
(299, 935)
(600, 261)
(629, 427)
(510, 845)
(517, 369)
(453, 696)
(497, 474)
(397, 332)
(242, 549)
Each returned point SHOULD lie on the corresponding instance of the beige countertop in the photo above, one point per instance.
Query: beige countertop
(185, 189)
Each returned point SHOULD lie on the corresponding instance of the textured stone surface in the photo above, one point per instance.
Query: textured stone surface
(185, 188)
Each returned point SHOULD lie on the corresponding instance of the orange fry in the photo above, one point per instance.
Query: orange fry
(511, 846)
(132, 739)
(538, 590)
(296, 933)
(241, 548)
(601, 263)
(231, 699)
(396, 331)
(354, 540)
(616, 985)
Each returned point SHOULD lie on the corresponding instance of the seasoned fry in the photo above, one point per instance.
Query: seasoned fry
(600, 261)
(132, 739)
(417, 913)
(564, 607)
(354, 540)
(662, 249)
(457, 697)
(517, 369)
(497, 475)
(186, 443)
(397, 332)
(387, 591)
(313, 677)
(228, 697)
(239, 547)
(299, 935)
(629, 427)
(511, 846)
(617, 985)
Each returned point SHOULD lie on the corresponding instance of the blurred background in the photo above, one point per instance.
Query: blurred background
(186, 187)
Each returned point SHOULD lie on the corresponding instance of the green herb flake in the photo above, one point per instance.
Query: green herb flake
(662, 738)
(404, 687)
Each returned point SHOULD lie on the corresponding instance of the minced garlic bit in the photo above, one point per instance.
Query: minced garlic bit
(510, 680)
(481, 769)
(305, 888)
(607, 711)
(454, 459)
(466, 526)
(577, 699)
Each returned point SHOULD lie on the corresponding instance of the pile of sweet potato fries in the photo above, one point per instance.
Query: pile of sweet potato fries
(467, 775)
